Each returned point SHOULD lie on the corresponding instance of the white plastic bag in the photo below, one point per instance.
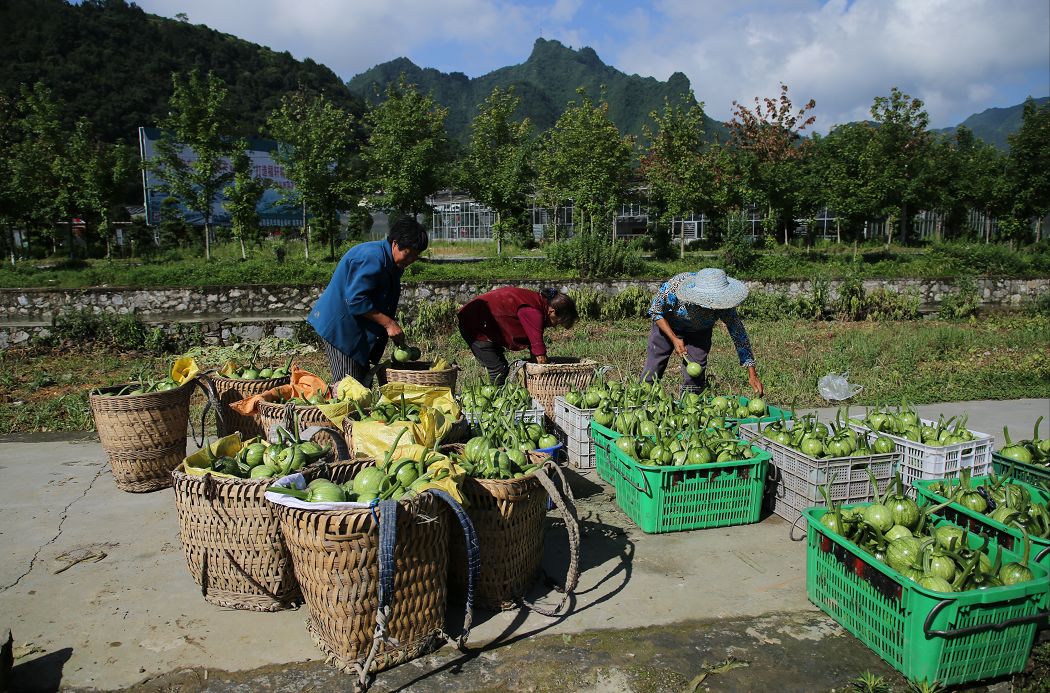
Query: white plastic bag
(834, 387)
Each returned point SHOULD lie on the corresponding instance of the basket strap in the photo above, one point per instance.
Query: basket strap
(515, 368)
(387, 541)
(572, 529)
(342, 452)
(288, 416)
(470, 537)
(207, 386)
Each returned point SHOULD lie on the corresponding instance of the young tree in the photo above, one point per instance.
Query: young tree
(497, 168)
(1030, 163)
(406, 153)
(318, 146)
(194, 143)
(584, 158)
(242, 198)
(845, 158)
(902, 145)
(770, 149)
(675, 165)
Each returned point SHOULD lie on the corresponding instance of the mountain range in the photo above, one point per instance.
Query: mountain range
(112, 61)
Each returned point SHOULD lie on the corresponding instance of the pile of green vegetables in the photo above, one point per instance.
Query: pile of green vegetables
(712, 407)
(483, 459)
(386, 412)
(145, 384)
(818, 440)
(612, 394)
(896, 532)
(388, 479)
(514, 434)
(405, 354)
(1033, 451)
(259, 460)
(495, 401)
(250, 371)
(904, 422)
(1000, 499)
(652, 444)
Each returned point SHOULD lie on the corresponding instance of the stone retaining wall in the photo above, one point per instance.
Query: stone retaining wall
(25, 312)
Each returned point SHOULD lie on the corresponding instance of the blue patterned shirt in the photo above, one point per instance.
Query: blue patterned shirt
(689, 317)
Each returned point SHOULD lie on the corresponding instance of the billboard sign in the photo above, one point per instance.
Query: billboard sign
(272, 211)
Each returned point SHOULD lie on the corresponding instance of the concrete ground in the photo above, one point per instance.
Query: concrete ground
(95, 588)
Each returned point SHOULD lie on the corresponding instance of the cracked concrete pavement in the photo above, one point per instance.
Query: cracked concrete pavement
(95, 586)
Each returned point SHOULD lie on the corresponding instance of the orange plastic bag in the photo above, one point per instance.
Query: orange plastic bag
(303, 384)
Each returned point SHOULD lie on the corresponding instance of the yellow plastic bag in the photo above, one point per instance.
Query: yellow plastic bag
(449, 483)
(199, 464)
(439, 398)
(184, 369)
(348, 391)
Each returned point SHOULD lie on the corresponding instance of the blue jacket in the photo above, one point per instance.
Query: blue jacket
(365, 279)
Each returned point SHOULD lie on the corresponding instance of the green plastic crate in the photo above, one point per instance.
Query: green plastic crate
(603, 438)
(694, 496)
(950, 638)
(1023, 471)
(998, 533)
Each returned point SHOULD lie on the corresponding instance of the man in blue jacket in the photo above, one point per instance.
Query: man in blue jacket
(355, 315)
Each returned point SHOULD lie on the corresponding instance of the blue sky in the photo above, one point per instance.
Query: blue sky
(959, 56)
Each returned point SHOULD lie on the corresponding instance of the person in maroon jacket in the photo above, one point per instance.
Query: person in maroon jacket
(512, 319)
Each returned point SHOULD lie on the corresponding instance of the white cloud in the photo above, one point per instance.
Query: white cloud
(959, 56)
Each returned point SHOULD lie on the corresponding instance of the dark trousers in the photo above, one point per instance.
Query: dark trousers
(660, 349)
(493, 359)
(343, 365)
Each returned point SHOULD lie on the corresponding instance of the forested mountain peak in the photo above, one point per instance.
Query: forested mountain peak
(111, 61)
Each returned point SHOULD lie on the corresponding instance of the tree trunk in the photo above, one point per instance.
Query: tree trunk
(987, 227)
(838, 231)
(70, 252)
(306, 235)
(904, 224)
(105, 233)
(240, 237)
(11, 230)
(207, 240)
(497, 231)
(681, 248)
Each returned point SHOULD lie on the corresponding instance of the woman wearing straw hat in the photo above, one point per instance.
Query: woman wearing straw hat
(510, 318)
(683, 311)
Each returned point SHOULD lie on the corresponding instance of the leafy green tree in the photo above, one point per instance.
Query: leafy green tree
(902, 148)
(34, 157)
(242, 198)
(498, 166)
(846, 158)
(675, 165)
(770, 151)
(319, 148)
(584, 158)
(198, 121)
(406, 153)
(99, 175)
(1029, 169)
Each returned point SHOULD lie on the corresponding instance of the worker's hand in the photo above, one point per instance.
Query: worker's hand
(541, 359)
(679, 347)
(393, 330)
(756, 384)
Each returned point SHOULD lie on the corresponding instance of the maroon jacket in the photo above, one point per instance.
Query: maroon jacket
(497, 317)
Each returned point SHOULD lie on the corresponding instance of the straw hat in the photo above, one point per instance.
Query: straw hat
(711, 288)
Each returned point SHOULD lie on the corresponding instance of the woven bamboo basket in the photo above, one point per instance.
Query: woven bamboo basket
(144, 436)
(417, 373)
(336, 558)
(230, 390)
(509, 516)
(545, 381)
(231, 538)
(271, 413)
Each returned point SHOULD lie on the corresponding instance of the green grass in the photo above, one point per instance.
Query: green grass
(186, 268)
(924, 361)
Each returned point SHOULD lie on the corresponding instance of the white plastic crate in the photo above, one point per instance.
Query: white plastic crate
(796, 479)
(573, 428)
(919, 461)
(534, 414)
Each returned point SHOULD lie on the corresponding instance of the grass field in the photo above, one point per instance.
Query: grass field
(924, 361)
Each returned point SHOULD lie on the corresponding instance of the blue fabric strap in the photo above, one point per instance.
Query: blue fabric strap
(387, 541)
(470, 539)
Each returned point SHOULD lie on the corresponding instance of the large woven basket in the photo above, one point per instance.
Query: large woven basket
(144, 436)
(271, 413)
(232, 541)
(545, 381)
(336, 558)
(418, 373)
(230, 390)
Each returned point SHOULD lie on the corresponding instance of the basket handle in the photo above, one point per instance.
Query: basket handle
(955, 632)
(572, 528)
(470, 540)
(793, 527)
(207, 386)
(516, 367)
(342, 451)
(619, 464)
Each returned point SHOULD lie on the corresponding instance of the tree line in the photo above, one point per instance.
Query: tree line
(396, 154)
